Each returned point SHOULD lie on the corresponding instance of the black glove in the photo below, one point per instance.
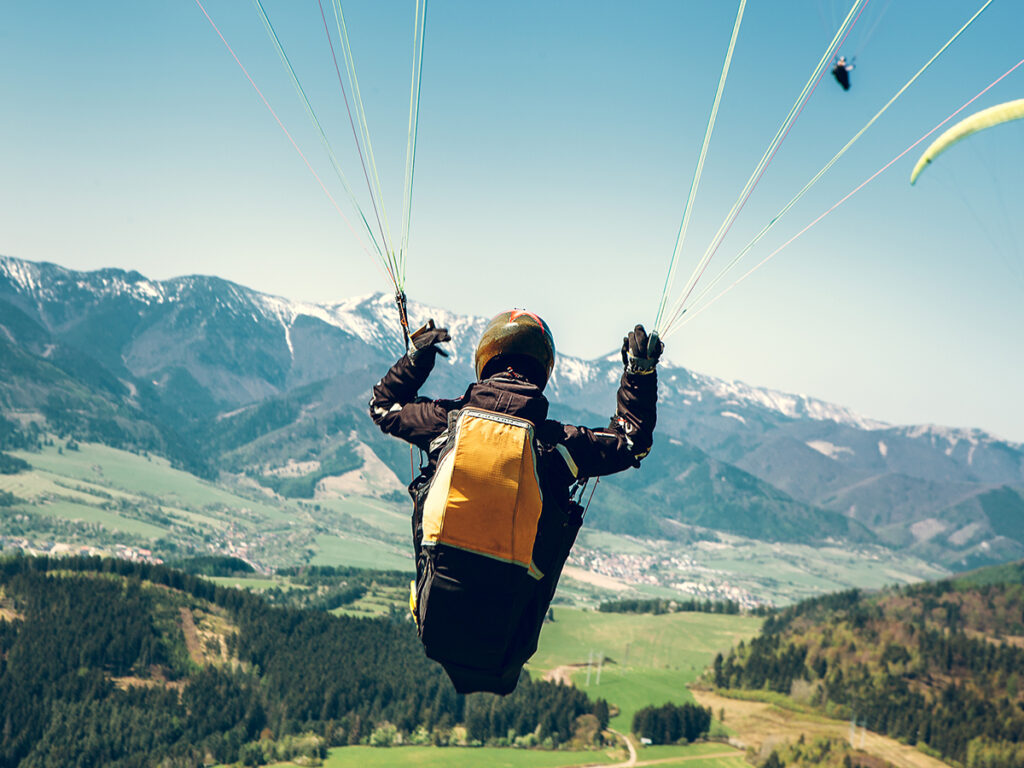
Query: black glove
(423, 342)
(640, 352)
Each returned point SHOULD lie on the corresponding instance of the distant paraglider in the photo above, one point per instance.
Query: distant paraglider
(841, 72)
(979, 121)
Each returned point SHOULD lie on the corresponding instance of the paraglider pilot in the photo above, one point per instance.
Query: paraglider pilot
(494, 513)
(841, 72)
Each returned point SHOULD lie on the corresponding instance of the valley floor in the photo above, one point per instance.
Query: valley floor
(101, 500)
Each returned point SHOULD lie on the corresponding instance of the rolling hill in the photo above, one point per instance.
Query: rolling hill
(937, 664)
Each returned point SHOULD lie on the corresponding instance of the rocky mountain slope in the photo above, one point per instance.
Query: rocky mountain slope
(217, 375)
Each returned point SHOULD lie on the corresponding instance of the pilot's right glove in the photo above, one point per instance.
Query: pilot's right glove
(423, 343)
(640, 352)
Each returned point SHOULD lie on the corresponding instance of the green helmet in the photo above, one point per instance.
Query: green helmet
(518, 340)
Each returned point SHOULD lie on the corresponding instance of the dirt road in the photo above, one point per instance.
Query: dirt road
(562, 674)
(629, 745)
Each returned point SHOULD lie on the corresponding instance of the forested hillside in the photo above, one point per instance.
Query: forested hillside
(939, 664)
(113, 663)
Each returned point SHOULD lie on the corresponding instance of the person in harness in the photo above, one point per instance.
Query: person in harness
(841, 72)
(494, 516)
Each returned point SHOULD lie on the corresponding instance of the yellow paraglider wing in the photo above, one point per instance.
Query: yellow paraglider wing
(979, 121)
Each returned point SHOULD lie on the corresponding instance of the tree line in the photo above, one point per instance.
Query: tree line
(94, 671)
(906, 664)
(672, 723)
(659, 606)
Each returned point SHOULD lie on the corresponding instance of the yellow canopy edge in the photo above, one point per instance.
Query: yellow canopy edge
(979, 121)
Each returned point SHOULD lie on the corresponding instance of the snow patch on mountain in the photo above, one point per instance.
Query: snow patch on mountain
(288, 340)
(953, 440)
(965, 534)
(43, 280)
(22, 274)
(926, 529)
(736, 394)
(825, 448)
(571, 370)
(950, 435)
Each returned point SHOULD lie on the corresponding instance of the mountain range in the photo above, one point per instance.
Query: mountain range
(223, 379)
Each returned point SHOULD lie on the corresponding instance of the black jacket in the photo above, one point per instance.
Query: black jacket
(486, 637)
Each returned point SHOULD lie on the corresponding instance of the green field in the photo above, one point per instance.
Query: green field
(647, 659)
(388, 517)
(690, 755)
(379, 601)
(633, 689)
(787, 573)
(69, 510)
(458, 757)
(254, 583)
(360, 552)
(143, 475)
(725, 566)
(669, 641)
(496, 757)
(611, 542)
(99, 496)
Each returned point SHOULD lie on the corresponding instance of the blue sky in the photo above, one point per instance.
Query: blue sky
(557, 142)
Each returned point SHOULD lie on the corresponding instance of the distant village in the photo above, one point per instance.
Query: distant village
(634, 569)
(63, 549)
(664, 570)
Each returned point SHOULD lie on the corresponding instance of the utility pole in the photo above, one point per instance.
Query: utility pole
(590, 663)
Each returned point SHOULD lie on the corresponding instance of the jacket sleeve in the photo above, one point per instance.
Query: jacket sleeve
(627, 438)
(395, 408)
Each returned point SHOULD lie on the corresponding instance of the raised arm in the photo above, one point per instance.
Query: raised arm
(628, 437)
(394, 406)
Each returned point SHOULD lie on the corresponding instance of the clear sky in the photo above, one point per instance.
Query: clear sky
(557, 142)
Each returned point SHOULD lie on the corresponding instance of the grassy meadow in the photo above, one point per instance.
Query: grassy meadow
(99, 496)
(462, 757)
(692, 756)
(145, 476)
(379, 601)
(360, 552)
(647, 659)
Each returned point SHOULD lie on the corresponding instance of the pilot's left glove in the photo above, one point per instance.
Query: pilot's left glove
(640, 351)
(423, 343)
